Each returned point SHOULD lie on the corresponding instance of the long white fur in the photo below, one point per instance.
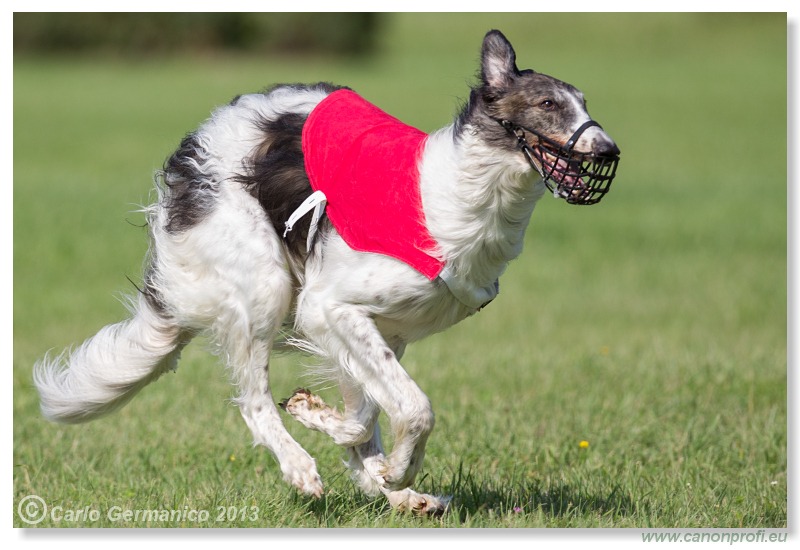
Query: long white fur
(230, 277)
(109, 368)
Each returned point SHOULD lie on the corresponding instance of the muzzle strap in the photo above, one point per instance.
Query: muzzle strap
(577, 135)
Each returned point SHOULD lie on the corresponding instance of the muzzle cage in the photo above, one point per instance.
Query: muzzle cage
(578, 178)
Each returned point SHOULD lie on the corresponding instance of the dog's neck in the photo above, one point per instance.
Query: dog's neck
(478, 201)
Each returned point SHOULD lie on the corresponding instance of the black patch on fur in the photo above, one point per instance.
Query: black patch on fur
(189, 193)
(276, 175)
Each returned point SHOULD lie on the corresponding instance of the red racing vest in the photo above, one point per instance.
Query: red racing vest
(366, 162)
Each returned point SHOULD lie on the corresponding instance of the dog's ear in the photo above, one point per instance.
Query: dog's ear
(498, 60)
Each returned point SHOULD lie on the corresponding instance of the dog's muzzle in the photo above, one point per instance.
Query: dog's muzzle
(578, 178)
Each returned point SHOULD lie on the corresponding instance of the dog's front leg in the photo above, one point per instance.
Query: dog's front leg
(372, 364)
(367, 462)
(366, 457)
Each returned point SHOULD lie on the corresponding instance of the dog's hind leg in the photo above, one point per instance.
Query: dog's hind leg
(262, 417)
(234, 275)
(244, 331)
(246, 340)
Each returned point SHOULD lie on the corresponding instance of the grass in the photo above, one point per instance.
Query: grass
(652, 326)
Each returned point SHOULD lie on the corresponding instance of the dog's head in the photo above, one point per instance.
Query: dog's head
(547, 121)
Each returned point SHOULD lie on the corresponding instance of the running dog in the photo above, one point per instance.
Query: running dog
(308, 216)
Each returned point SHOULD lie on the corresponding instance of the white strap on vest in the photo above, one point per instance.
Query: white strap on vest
(471, 296)
(316, 201)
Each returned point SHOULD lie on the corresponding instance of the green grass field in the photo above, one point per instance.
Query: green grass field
(652, 326)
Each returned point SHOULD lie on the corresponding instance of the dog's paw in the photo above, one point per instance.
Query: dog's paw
(299, 395)
(429, 505)
(419, 504)
(310, 485)
(312, 412)
(302, 402)
(305, 479)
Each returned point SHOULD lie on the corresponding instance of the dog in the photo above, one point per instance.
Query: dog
(234, 255)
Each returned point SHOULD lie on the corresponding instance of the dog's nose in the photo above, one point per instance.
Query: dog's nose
(605, 148)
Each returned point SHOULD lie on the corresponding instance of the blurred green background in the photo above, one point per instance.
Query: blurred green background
(652, 325)
(149, 34)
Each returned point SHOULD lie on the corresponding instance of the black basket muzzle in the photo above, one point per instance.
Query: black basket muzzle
(578, 178)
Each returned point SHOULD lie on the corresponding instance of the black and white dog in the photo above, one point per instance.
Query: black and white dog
(233, 255)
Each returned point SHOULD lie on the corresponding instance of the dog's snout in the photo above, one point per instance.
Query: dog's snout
(605, 148)
(597, 142)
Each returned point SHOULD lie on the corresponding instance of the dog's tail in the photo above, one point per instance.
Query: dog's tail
(109, 368)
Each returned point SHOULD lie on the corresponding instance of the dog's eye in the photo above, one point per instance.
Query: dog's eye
(548, 105)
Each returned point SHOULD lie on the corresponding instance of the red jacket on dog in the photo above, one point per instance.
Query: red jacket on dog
(366, 163)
